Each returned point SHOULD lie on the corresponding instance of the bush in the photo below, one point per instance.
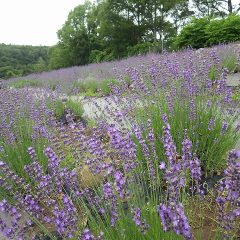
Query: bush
(193, 35)
(223, 30)
(97, 56)
(205, 32)
(141, 48)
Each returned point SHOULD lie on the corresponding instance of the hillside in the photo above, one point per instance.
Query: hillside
(17, 60)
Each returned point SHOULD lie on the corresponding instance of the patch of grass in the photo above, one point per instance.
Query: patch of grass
(236, 96)
(230, 62)
(59, 108)
(93, 88)
(25, 83)
(213, 73)
(75, 107)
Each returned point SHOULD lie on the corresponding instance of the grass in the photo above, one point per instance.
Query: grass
(230, 62)
(236, 96)
(60, 108)
(94, 88)
(25, 83)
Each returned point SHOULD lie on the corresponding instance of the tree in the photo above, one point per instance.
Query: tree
(116, 31)
(18, 60)
(207, 32)
(212, 8)
(180, 13)
(40, 66)
(74, 36)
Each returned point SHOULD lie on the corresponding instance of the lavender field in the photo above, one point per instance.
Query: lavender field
(142, 148)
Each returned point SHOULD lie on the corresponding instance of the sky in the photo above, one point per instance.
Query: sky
(35, 22)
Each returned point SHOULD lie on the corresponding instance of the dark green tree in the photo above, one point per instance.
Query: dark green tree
(213, 8)
(74, 36)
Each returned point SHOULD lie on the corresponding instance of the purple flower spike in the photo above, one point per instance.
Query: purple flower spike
(162, 165)
(120, 183)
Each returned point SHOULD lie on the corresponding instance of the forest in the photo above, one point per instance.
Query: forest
(21, 60)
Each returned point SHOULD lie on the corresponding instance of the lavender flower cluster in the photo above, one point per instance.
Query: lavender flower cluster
(229, 197)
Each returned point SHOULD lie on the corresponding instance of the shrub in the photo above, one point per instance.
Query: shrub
(100, 56)
(141, 48)
(205, 32)
(192, 35)
(223, 30)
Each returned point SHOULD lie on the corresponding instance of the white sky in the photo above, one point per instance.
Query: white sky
(35, 22)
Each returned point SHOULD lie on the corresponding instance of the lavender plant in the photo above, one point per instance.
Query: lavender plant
(118, 180)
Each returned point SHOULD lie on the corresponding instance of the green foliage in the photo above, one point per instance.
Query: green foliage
(230, 62)
(94, 88)
(59, 57)
(223, 30)
(213, 73)
(101, 56)
(59, 108)
(21, 60)
(141, 48)
(75, 107)
(74, 35)
(90, 86)
(111, 29)
(210, 143)
(16, 154)
(25, 83)
(192, 35)
(236, 96)
(210, 8)
(205, 32)
(105, 86)
(40, 65)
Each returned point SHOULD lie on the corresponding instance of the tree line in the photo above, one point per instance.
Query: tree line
(16, 60)
(112, 29)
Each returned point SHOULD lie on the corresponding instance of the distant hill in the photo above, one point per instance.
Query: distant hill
(18, 60)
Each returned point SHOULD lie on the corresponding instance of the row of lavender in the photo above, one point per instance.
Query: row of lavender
(67, 78)
(140, 180)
